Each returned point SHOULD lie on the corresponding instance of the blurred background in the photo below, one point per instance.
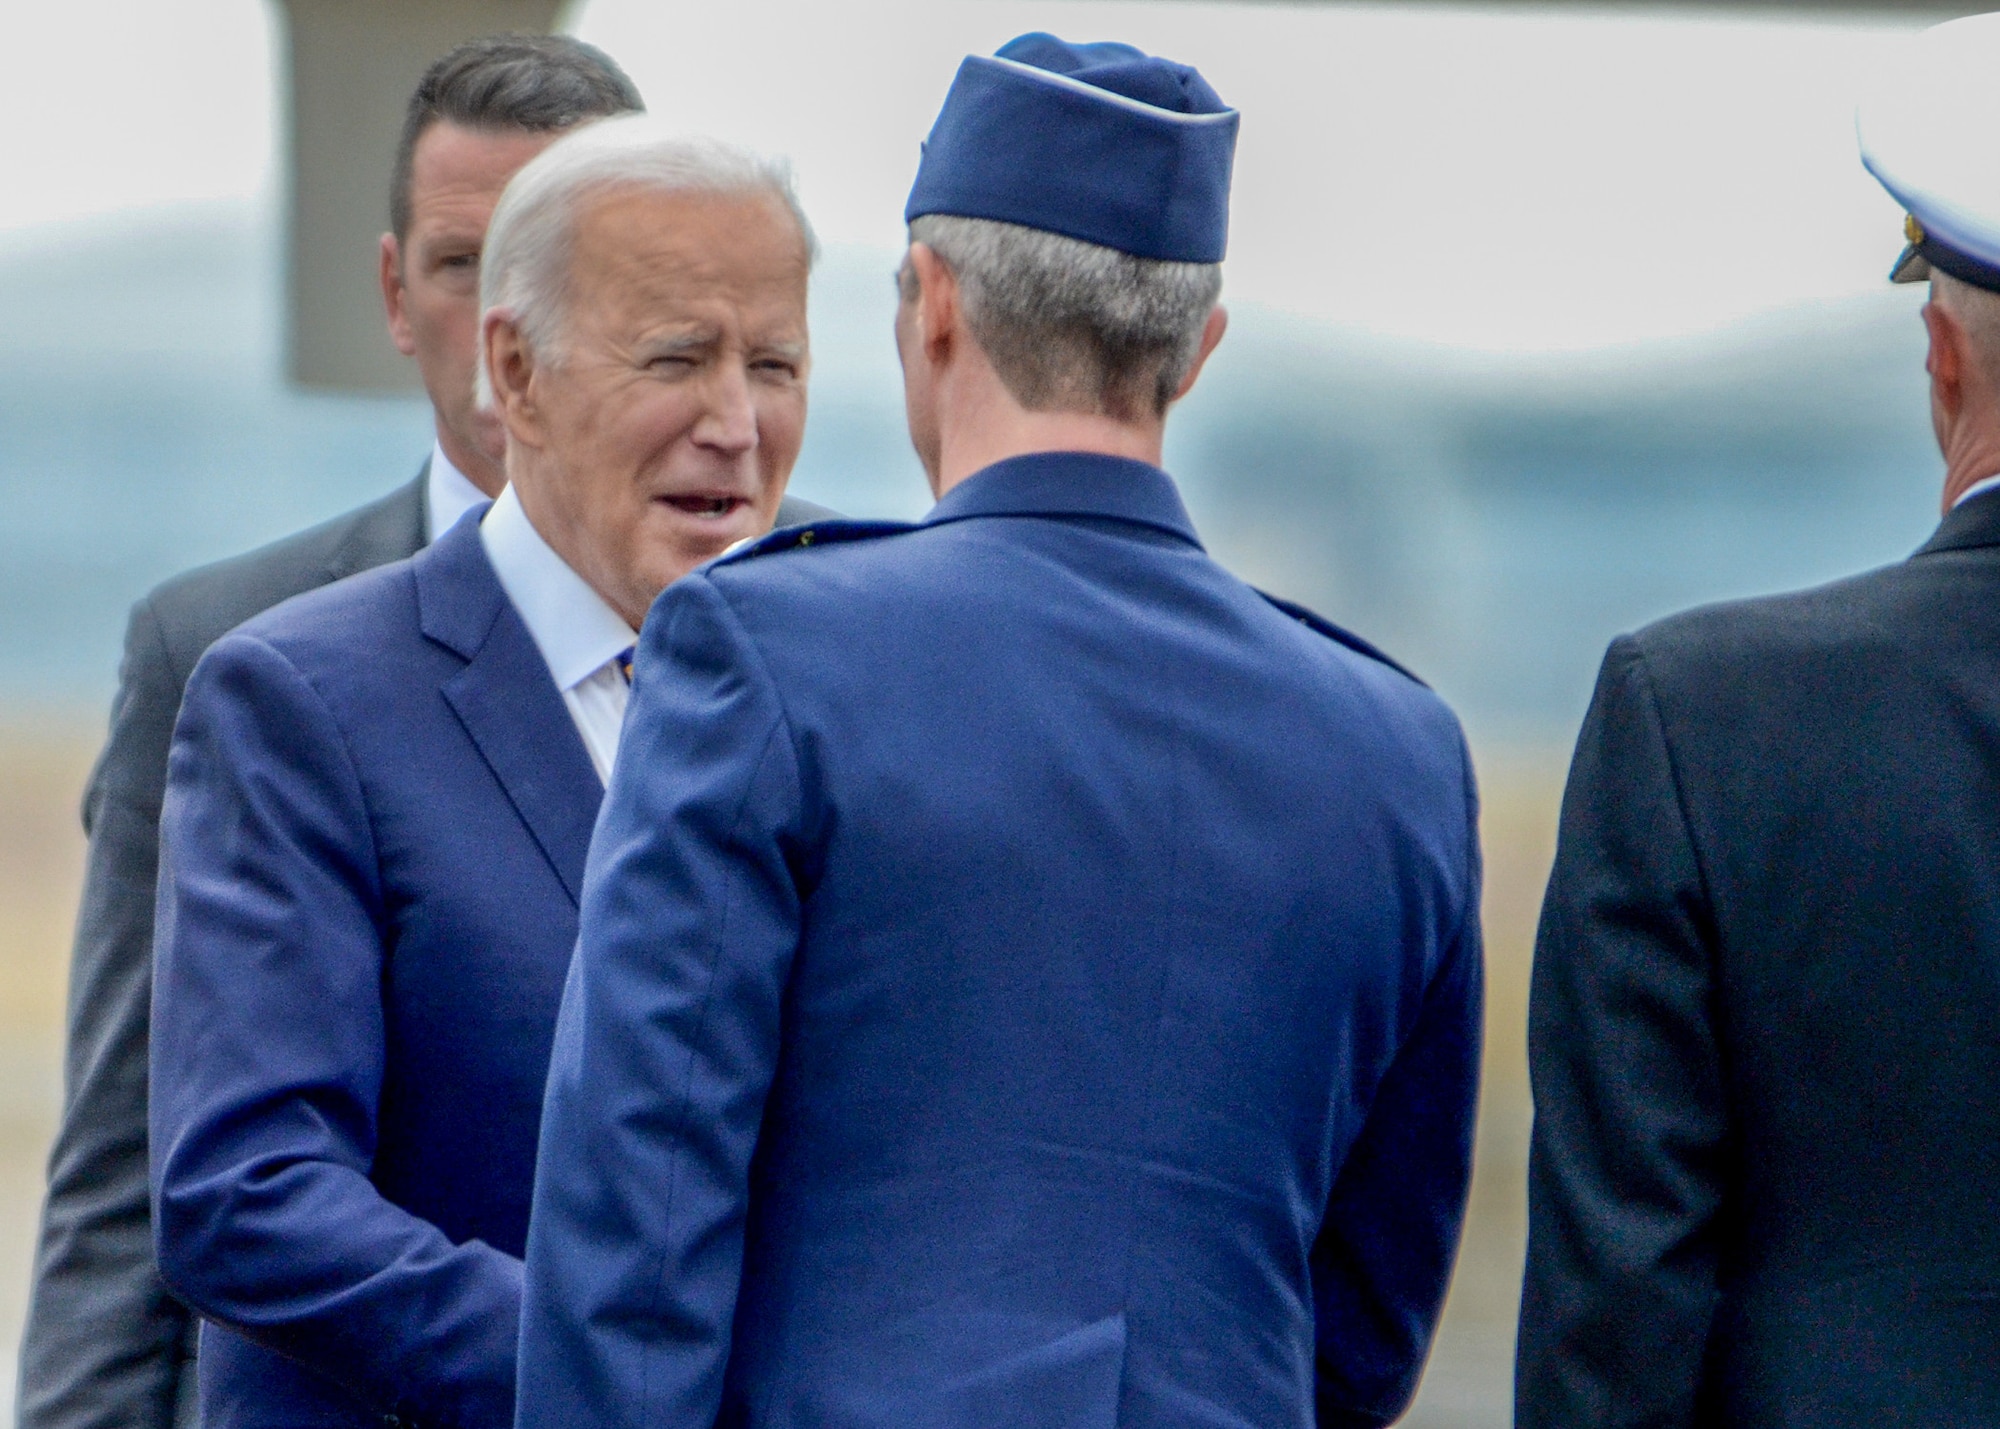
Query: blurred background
(1546, 322)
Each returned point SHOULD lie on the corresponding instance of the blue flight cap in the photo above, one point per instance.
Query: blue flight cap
(1929, 126)
(1097, 142)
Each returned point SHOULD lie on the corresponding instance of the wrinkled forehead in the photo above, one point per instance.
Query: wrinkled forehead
(665, 244)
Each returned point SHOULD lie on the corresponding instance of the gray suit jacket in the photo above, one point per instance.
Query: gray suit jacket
(107, 1346)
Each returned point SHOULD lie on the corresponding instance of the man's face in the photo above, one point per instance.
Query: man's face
(663, 427)
(430, 278)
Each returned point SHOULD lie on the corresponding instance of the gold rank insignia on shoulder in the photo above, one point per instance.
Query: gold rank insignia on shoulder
(1912, 230)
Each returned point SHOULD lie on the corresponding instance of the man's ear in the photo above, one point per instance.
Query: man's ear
(1211, 336)
(1948, 358)
(393, 294)
(510, 372)
(939, 314)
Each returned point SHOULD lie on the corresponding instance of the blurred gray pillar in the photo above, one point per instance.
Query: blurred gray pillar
(352, 65)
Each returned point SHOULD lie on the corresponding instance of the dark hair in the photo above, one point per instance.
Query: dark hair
(537, 83)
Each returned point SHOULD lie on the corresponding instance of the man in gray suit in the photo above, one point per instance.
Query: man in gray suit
(106, 1343)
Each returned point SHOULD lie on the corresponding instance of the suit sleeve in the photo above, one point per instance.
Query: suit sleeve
(105, 1342)
(1627, 1163)
(267, 1067)
(668, 1039)
(1383, 1258)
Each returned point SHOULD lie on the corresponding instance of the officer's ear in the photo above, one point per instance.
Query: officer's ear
(1948, 357)
(940, 313)
(1211, 337)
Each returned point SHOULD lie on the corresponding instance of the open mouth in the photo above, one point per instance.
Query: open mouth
(707, 508)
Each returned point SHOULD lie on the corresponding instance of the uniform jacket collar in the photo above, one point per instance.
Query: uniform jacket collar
(1070, 484)
(507, 701)
(1975, 523)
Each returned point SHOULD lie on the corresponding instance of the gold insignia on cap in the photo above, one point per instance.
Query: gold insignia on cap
(1912, 230)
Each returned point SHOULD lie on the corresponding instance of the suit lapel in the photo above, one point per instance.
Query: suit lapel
(508, 703)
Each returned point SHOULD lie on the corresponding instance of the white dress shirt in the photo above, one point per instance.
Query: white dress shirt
(1978, 488)
(579, 634)
(448, 495)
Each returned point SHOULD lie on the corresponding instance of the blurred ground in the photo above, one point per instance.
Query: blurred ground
(42, 769)
(1469, 1384)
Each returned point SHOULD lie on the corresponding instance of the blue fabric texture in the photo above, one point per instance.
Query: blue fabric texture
(1098, 142)
(374, 835)
(1025, 978)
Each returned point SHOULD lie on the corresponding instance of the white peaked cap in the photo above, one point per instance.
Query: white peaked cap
(1929, 127)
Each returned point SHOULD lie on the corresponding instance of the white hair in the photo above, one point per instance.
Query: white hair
(524, 263)
(1070, 325)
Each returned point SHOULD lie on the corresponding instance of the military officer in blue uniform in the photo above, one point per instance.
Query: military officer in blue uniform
(1026, 976)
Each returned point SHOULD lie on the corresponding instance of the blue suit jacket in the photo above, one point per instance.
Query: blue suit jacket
(374, 834)
(1057, 1006)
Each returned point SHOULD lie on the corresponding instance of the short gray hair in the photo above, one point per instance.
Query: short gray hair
(1070, 325)
(524, 263)
(1978, 311)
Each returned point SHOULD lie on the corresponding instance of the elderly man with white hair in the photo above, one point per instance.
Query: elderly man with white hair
(381, 795)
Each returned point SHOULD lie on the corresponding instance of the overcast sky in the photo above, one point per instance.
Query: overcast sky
(1501, 181)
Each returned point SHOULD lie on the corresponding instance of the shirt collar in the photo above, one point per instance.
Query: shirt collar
(1070, 484)
(1978, 488)
(573, 626)
(448, 494)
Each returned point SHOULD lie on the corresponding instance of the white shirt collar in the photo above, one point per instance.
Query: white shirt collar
(1978, 488)
(573, 626)
(448, 494)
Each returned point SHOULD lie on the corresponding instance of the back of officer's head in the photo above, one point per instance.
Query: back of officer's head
(1070, 325)
(1078, 194)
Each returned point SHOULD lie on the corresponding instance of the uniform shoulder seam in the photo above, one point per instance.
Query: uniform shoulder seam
(1319, 623)
(839, 531)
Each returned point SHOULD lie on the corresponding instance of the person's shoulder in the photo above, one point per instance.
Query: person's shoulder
(821, 533)
(805, 559)
(1382, 696)
(342, 619)
(1854, 616)
(1351, 646)
(197, 607)
(349, 649)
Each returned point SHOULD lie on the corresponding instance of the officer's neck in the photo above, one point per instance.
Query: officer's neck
(979, 422)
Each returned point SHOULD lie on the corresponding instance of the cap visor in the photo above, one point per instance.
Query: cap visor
(1911, 267)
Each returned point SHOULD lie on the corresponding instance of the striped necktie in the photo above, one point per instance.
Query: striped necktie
(625, 662)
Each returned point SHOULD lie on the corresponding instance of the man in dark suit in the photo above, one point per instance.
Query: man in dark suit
(1026, 976)
(1765, 1026)
(381, 794)
(106, 1345)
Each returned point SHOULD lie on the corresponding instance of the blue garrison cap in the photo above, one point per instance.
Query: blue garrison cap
(1098, 142)
(1929, 126)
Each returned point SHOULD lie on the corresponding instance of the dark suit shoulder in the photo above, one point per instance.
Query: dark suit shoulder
(194, 609)
(1860, 617)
